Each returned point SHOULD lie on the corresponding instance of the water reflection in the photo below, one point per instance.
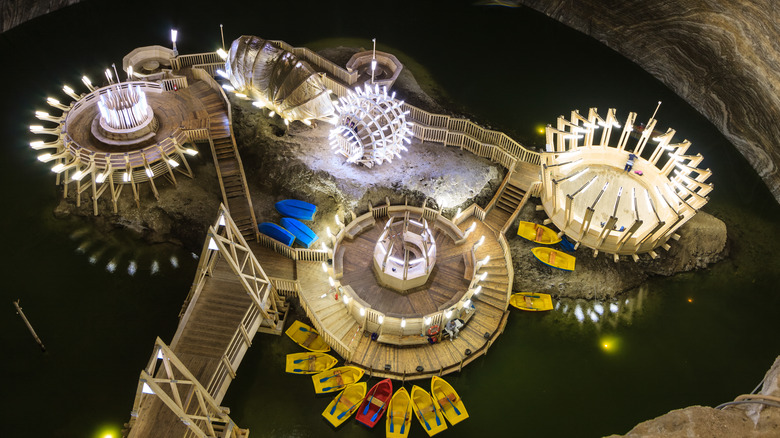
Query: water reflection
(601, 313)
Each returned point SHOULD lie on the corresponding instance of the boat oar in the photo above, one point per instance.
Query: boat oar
(304, 329)
(335, 373)
(376, 414)
(427, 426)
(433, 405)
(341, 415)
(301, 360)
(391, 423)
(403, 425)
(457, 412)
(368, 405)
(336, 404)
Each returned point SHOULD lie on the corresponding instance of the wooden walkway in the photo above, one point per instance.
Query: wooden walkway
(200, 342)
(227, 161)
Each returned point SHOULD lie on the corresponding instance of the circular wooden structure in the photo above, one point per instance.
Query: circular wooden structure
(592, 194)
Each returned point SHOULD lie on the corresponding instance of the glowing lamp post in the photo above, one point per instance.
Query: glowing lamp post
(174, 34)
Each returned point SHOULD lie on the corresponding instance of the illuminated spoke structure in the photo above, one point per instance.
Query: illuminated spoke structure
(276, 79)
(590, 197)
(372, 126)
(405, 254)
(110, 138)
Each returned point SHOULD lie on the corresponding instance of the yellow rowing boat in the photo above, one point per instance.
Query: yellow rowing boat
(345, 404)
(534, 302)
(448, 401)
(537, 233)
(309, 363)
(307, 337)
(425, 409)
(554, 258)
(399, 415)
(336, 378)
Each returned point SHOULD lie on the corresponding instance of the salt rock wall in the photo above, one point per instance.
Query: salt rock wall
(16, 12)
(721, 56)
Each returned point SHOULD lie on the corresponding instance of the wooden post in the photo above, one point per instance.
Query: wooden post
(29, 326)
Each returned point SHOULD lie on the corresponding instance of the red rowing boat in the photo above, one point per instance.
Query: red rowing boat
(375, 403)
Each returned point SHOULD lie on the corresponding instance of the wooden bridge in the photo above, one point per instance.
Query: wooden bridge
(231, 299)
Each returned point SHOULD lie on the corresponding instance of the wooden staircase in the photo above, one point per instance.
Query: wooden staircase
(230, 170)
(505, 205)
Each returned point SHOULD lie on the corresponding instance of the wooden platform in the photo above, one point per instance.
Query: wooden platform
(200, 343)
(445, 283)
(445, 357)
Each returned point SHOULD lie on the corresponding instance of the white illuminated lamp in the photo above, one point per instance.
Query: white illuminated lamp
(324, 267)
(345, 298)
(458, 213)
(228, 88)
(477, 290)
(338, 221)
(146, 389)
(130, 73)
(330, 233)
(159, 354)
(189, 151)
(149, 172)
(44, 158)
(241, 95)
(362, 311)
(85, 80)
(381, 319)
(213, 244)
(100, 178)
(109, 76)
(466, 303)
(448, 314)
(331, 281)
(173, 162)
(223, 74)
(483, 276)
(427, 320)
(58, 168)
(485, 261)
(222, 54)
(403, 322)
(221, 221)
(126, 177)
(69, 91)
(174, 35)
(479, 242)
(324, 247)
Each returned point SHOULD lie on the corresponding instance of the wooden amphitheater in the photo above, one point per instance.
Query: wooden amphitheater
(245, 280)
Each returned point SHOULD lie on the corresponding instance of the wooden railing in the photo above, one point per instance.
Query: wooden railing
(210, 68)
(319, 63)
(336, 344)
(191, 60)
(286, 288)
(234, 353)
(174, 83)
(303, 254)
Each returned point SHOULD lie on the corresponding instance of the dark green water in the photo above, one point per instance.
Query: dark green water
(548, 375)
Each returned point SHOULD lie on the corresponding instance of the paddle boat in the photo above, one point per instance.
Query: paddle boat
(276, 232)
(375, 403)
(537, 233)
(448, 401)
(307, 337)
(425, 409)
(336, 378)
(399, 417)
(309, 363)
(303, 234)
(554, 258)
(344, 404)
(296, 209)
(533, 302)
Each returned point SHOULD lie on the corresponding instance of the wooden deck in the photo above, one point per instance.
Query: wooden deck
(200, 343)
(445, 283)
(402, 362)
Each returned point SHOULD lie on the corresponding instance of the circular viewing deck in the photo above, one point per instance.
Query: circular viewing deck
(401, 335)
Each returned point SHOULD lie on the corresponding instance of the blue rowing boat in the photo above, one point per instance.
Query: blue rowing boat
(276, 232)
(302, 233)
(296, 209)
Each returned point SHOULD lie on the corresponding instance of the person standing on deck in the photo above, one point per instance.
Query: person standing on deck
(630, 162)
